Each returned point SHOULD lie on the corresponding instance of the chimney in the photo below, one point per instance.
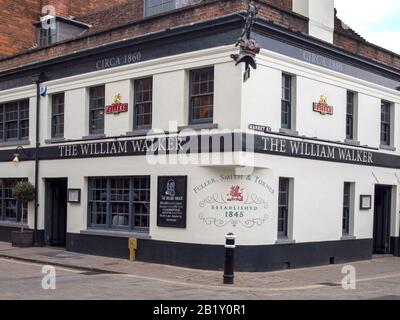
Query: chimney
(322, 17)
(61, 7)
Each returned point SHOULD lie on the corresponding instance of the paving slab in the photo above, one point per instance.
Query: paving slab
(380, 268)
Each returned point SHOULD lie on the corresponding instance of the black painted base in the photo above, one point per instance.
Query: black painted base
(211, 257)
(395, 246)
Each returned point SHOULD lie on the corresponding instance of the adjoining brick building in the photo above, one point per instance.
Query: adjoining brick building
(82, 87)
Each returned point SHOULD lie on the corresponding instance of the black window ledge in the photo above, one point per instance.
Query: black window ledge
(15, 143)
(117, 234)
(200, 126)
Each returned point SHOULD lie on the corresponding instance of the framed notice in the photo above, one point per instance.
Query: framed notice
(172, 202)
(365, 202)
(74, 195)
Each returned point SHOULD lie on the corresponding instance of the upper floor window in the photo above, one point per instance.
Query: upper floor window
(96, 110)
(14, 121)
(202, 95)
(153, 7)
(286, 108)
(386, 123)
(57, 116)
(143, 103)
(350, 115)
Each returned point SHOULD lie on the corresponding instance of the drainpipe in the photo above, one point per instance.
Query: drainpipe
(38, 79)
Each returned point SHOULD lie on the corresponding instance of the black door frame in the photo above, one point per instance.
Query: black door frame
(56, 237)
(382, 226)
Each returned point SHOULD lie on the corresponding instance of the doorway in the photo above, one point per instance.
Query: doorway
(382, 219)
(56, 212)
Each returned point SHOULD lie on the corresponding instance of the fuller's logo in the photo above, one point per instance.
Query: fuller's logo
(236, 194)
(322, 106)
(117, 107)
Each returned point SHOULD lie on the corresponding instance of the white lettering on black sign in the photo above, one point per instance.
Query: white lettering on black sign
(117, 61)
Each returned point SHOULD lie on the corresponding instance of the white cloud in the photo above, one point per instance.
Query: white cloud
(364, 13)
(385, 39)
(367, 16)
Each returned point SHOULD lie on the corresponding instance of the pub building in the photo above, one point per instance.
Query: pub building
(147, 120)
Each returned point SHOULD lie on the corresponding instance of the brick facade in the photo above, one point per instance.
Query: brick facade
(115, 20)
(349, 40)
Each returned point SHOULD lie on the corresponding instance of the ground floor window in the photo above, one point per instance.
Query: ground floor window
(119, 203)
(10, 208)
(283, 208)
(347, 208)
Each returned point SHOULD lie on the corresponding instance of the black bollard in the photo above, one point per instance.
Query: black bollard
(229, 258)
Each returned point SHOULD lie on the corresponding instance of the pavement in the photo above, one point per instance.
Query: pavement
(375, 279)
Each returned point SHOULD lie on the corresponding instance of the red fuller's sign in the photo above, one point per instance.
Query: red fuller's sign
(322, 106)
(117, 107)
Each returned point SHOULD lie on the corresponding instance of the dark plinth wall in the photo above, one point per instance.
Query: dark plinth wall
(211, 257)
(5, 234)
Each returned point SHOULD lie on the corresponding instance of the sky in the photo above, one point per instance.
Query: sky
(376, 21)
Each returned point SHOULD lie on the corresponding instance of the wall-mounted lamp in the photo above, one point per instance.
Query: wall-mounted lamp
(17, 154)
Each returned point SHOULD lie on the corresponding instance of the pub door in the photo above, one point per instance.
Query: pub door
(382, 219)
(56, 212)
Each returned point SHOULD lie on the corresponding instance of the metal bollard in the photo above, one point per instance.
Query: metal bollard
(229, 258)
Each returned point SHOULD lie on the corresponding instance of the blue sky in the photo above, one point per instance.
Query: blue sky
(376, 21)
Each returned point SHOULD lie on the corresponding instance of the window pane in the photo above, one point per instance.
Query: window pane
(385, 123)
(283, 207)
(14, 121)
(346, 208)
(10, 209)
(286, 108)
(96, 107)
(119, 203)
(143, 103)
(57, 120)
(202, 95)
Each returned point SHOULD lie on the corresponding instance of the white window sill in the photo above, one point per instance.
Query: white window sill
(348, 238)
(14, 143)
(200, 126)
(285, 241)
(12, 225)
(352, 142)
(116, 234)
(387, 148)
(289, 132)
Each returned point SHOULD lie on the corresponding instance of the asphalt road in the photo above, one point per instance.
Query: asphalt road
(21, 280)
